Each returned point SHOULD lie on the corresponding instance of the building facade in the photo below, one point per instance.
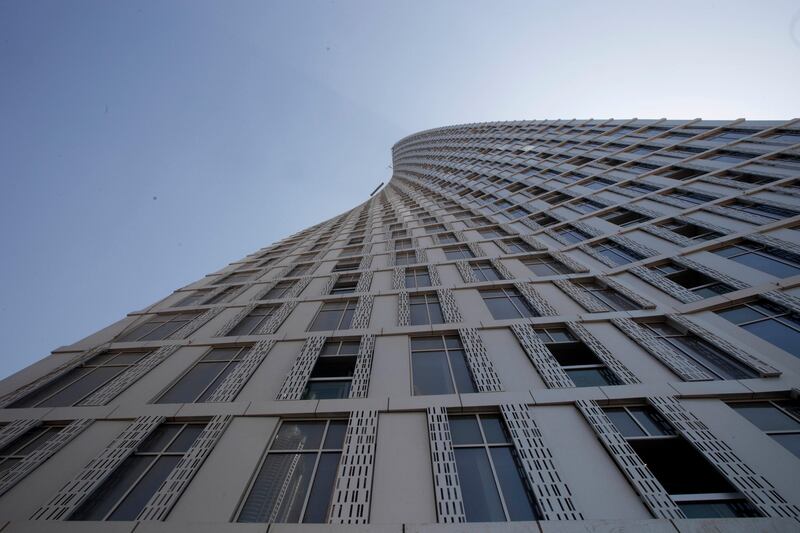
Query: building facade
(585, 325)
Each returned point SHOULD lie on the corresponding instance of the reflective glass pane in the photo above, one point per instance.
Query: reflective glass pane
(299, 435)
(767, 264)
(790, 441)
(279, 489)
(186, 438)
(465, 430)
(326, 390)
(191, 384)
(718, 509)
(102, 500)
(517, 498)
(136, 499)
(334, 439)
(777, 333)
(322, 489)
(83, 387)
(493, 429)
(426, 343)
(502, 308)
(478, 489)
(159, 438)
(431, 373)
(592, 377)
(651, 421)
(624, 423)
(461, 373)
(766, 416)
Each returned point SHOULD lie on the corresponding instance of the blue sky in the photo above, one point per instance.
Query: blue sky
(145, 144)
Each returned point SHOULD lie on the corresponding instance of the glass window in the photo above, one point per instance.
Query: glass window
(763, 210)
(624, 217)
(485, 272)
(334, 315)
(701, 352)
(346, 265)
(295, 480)
(507, 303)
(545, 266)
(608, 296)
(518, 246)
(159, 327)
(773, 323)
(405, 258)
(21, 447)
(332, 375)
(204, 377)
(618, 254)
(280, 290)
(425, 309)
(774, 261)
(251, 324)
(238, 277)
(124, 494)
(417, 277)
(690, 231)
(492, 483)
(691, 279)
(346, 284)
(572, 235)
(698, 488)
(77, 384)
(580, 363)
(438, 366)
(455, 253)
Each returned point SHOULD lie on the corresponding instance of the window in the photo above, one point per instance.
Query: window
(624, 217)
(78, 383)
(26, 444)
(581, 364)
(702, 352)
(690, 231)
(295, 480)
(434, 228)
(455, 253)
(128, 489)
(446, 238)
(405, 258)
(543, 219)
(492, 233)
(617, 253)
(518, 246)
(774, 261)
(545, 266)
(346, 284)
(690, 196)
(640, 187)
(763, 210)
(773, 323)
(346, 265)
(438, 366)
(250, 324)
(199, 382)
(159, 327)
(691, 481)
(586, 206)
(334, 315)
(237, 277)
(778, 419)
(572, 235)
(425, 309)
(333, 372)
(690, 279)
(507, 303)
(280, 290)
(417, 277)
(490, 475)
(608, 296)
(485, 272)
(349, 252)
(203, 297)
(402, 244)
(399, 234)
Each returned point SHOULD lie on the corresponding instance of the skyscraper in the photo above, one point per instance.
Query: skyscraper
(593, 321)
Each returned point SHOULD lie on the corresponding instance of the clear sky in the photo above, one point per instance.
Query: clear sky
(144, 144)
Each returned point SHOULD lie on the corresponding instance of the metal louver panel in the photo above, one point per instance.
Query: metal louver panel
(480, 366)
(546, 365)
(363, 370)
(603, 353)
(552, 493)
(236, 380)
(449, 308)
(449, 503)
(536, 300)
(352, 493)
